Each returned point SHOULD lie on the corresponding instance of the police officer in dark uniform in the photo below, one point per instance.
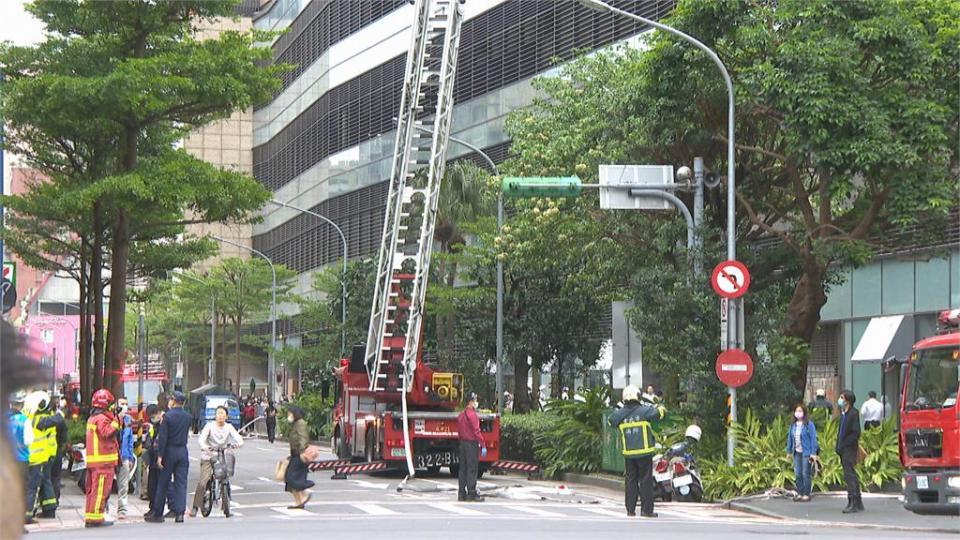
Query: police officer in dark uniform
(172, 459)
(635, 422)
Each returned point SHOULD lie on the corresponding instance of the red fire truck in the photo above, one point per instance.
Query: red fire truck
(930, 421)
(392, 406)
(155, 382)
(368, 425)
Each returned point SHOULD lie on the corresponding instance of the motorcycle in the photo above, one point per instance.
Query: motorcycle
(676, 474)
(77, 463)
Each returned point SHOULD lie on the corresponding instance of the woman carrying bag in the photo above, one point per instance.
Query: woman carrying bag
(802, 447)
(296, 476)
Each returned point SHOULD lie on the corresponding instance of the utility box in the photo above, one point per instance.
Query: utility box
(612, 450)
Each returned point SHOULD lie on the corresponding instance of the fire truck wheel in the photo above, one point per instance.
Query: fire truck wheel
(455, 471)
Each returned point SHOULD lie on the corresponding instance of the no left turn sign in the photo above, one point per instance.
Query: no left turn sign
(730, 279)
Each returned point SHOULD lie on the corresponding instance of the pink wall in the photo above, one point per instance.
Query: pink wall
(51, 335)
(27, 278)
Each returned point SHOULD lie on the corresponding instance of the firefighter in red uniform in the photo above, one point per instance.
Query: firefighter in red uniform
(102, 450)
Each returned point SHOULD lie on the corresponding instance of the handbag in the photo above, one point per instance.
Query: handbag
(861, 454)
(281, 473)
(310, 454)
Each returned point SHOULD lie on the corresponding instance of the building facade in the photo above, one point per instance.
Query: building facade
(325, 141)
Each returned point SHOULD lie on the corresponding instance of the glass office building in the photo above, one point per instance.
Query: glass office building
(325, 141)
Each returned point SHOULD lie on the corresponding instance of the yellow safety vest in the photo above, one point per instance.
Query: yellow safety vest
(44, 445)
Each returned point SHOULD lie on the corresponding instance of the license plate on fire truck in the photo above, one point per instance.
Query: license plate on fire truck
(437, 459)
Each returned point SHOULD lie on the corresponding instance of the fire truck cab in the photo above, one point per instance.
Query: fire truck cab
(368, 427)
(930, 421)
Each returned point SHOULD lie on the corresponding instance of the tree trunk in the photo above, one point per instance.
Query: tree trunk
(96, 297)
(535, 387)
(116, 352)
(521, 396)
(223, 354)
(236, 348)
(83, 366)
(803, 313)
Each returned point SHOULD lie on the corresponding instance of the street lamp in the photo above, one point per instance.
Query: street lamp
(271, 369)
(343, 283)
(213, 326)
(496, 172)
(734, 305)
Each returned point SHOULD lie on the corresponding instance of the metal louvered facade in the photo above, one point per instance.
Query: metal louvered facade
(508, 43)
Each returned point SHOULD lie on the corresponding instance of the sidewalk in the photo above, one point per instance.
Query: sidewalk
(70, 512)
(883, 511)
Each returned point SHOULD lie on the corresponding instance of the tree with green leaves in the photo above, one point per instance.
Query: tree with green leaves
(245, 290)
(100, 103)
(846, 127)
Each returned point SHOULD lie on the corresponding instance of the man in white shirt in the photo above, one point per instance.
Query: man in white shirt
(871, 411)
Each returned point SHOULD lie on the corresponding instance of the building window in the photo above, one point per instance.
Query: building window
(823, 369)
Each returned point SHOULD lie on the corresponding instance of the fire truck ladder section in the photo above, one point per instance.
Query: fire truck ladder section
(393, 339)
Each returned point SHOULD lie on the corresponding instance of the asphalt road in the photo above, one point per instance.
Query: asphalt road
(426, 508)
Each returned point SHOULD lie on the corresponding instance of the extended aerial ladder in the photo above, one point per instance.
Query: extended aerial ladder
(393, 340)
(423, 128)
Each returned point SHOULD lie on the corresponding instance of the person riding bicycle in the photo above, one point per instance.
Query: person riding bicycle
(214, 436)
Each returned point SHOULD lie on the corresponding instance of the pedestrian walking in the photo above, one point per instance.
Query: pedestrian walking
(295, 479)
(21, 435)
(802, 447)
(634, 421)
(149, 460)
(63, 441)
(102, 455)
(820, 402)
(43, 450)
(471, 447)
(848, 445)
(270, 415)
(125, 466)
(214, 436)
(173, 459)
(871, 411)
(249, 414)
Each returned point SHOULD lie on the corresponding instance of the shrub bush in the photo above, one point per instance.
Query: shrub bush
(519, 434)
(77, 430)
(316, 413)
(762, 462)
(573, 443)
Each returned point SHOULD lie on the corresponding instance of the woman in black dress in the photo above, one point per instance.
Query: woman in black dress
(296, 477)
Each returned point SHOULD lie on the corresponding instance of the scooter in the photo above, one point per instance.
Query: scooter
(676, 473)
(77, 461)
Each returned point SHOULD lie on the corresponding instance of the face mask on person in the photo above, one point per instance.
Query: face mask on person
(841, 403)
(290, 418)
(799, 415)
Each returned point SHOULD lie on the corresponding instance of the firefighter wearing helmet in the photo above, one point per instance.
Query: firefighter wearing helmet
(102, 450)
(43, 449)
(634, 421)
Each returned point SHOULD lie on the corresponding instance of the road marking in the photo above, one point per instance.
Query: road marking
(371, 485)
(457, 509)
(292, 512)
(268, 480)
(374, 509)
(603, 511)
(536, 511)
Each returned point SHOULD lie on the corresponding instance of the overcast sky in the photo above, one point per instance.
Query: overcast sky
(22, 28)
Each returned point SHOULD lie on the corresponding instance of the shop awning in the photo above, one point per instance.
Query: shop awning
(885, 337)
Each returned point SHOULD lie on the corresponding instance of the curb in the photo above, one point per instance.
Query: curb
(743, 507)
(611, 483)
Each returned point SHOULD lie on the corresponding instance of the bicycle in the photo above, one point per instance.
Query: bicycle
(218, 487)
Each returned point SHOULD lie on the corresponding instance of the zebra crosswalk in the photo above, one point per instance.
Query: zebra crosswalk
(497, 510)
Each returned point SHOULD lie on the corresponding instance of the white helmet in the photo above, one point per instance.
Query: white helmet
(631, 393)
(693, 431)
(36, 401)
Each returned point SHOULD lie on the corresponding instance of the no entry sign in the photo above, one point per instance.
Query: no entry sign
(731, 279)
(734, 368)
